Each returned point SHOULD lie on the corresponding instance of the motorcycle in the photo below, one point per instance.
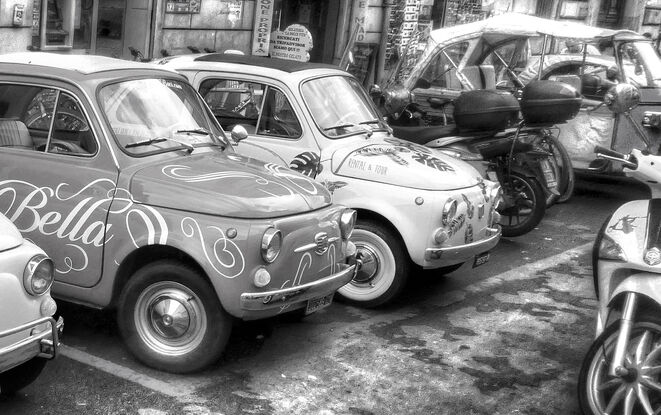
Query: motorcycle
(620, 372)
(522, 158)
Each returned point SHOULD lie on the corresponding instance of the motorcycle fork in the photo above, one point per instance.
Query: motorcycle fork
(626, 324)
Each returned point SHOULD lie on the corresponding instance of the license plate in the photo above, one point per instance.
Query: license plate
(549, 175)
(316, 304)
(481, 259)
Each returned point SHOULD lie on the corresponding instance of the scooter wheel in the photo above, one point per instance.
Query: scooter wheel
(524, 207)
(600, 393)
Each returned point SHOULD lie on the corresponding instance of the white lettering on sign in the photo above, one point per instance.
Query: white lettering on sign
(261, 36)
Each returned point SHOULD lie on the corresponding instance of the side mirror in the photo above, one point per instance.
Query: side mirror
(238, 134)
(422, 83)
(622, 98)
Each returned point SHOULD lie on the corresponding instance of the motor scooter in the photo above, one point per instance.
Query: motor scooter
(522, 158)
(621, 370)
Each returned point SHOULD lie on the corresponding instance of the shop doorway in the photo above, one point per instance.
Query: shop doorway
(98, 27)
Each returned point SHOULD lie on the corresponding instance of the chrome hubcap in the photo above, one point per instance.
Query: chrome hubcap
(170, 318)
(370, 264)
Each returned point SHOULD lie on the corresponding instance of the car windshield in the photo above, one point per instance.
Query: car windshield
(156, 115)
(340, 106)
(642, 66)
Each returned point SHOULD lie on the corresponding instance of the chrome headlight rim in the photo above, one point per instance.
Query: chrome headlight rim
(271, 235)
(449, 211)
(34, 268)
(347, 223)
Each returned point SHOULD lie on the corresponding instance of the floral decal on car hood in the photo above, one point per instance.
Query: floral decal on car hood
(402, 163)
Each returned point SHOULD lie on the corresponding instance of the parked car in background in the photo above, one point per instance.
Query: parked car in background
(119, 170)
(29, 335)
(415, 205)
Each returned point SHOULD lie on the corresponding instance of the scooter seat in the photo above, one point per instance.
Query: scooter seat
(502, 147)
(424, 134)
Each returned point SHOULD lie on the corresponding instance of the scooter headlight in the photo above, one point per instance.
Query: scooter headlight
(609, 249)
(449, 211)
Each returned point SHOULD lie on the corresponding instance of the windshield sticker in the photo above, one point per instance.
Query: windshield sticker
(171, 84)
(307, 163)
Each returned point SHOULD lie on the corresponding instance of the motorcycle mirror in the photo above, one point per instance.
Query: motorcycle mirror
(239, 133)
(396, 100)
(622, 98)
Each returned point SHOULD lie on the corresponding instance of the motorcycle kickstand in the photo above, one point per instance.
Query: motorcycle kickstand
(617, 365)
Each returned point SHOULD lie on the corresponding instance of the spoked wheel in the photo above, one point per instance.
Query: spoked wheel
(384, 270)
(171, 319)
(639, 392)
(524, 205)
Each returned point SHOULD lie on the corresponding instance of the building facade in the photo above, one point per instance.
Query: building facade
(373, 30)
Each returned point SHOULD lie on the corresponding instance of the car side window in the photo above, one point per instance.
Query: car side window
(233, 102)
(278, 118)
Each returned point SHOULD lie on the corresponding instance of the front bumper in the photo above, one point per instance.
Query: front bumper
(43, 344)
(437, 257)
(277, 299)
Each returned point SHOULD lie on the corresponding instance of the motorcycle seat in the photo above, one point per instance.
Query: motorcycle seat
(503, 147)
(424, 134)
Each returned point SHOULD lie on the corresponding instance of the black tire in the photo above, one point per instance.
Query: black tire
(527, 205)
(21, 376)
(156, 339)
(385, 268)
(594, 370)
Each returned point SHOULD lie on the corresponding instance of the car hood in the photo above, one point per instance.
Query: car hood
(10, 237)
(228, 185)
(401, 163)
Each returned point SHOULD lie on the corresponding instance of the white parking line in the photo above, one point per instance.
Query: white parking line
(175, 389)
(186, 388)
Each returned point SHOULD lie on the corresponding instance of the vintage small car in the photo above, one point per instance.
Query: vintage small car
(414, 204)
(506, 52)
(120, 171)
(29, 335)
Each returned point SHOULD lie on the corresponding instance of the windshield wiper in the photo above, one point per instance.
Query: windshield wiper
(337, 127)
(189, 147)
(370, 122)
(201, 131)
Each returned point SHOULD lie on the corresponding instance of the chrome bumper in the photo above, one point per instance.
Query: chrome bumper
(273, 299)
(457, 254)
(43, 344)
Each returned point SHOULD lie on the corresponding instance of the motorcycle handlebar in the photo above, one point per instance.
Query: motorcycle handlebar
(627, 160)
(608, 152)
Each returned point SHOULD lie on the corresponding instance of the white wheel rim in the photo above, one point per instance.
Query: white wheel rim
(170, 318)
(378, 273)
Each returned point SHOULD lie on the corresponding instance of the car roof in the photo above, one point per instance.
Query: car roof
(272, 67)
(82, 64)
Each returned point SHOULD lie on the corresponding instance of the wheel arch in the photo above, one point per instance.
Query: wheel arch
(367, 214)
(146, 255)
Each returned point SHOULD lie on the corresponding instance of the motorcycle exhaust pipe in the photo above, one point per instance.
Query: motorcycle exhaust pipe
(626, 324)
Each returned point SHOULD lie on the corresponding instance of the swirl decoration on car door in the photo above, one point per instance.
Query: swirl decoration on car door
(225, 257)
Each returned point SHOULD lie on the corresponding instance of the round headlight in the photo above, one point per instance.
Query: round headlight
(262, 278)
(449, 211)
(271, 244)
(38, 275)
(347, 223)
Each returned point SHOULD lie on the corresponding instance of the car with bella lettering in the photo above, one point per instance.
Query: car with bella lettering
(122, 174)
(415, 205)
(29, 335)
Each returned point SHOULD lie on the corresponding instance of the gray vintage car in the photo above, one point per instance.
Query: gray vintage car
(119, 170)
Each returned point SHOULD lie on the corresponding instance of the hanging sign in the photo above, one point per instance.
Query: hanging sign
(293, 43)
(262, 27)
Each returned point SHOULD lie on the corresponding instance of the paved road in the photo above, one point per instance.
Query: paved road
(505, 338)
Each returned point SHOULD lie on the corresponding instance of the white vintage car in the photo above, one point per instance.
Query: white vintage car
(29, 335)
(414, 205)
